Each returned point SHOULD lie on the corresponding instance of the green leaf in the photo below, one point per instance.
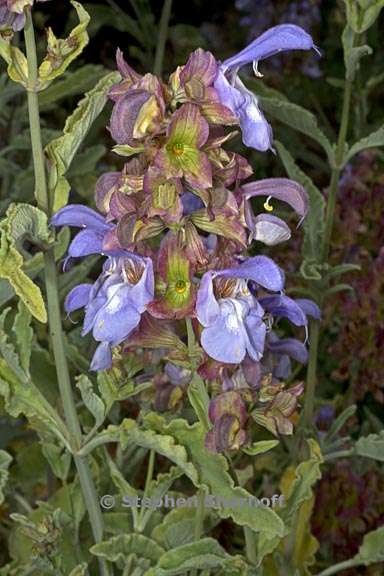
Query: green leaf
(213, 475)
(202, 555)
(124, 487)
(342, 269)
(260, 447)
(371, 549)
(17, 62)
(177, 528)
(128, 432)
(23, 222)
(199, 398)
(72, 84)
(58, 458)
(21, 396)
(339, 423)
(352, 54)
(157, 490)
(5, 461)
(127, 150)
(371, 446)
(93, 403)
(297, 118)
(119, 547)
(60, 53)
(375, 139)
(24, 335)
(314, 222)
(86, 162)
(62, 150)
(362, 14)
(301, 490)
(342, 287)
(80, 570)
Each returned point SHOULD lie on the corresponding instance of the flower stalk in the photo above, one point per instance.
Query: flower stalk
(329, 221)
(162, 37)
(53, 303)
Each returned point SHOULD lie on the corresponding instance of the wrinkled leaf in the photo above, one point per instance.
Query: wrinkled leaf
(61, 52)
(371, 446)
(92, 402)
(5, 461)
(62, 150)
(374, 140)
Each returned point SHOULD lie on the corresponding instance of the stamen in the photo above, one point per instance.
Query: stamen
(256, 70)
(268, 207)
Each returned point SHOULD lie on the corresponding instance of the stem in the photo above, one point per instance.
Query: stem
(54, 316)
(309, 399)
(148, 480)
(339, 454)
(162, 37)
(339, 567)
(199, 521)
(329, 220)
(339, 157)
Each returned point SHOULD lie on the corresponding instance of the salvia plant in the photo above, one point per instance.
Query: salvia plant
(172, 335)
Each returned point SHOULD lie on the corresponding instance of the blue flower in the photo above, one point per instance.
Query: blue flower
(256, 131)
(233, 323)
(114, 303)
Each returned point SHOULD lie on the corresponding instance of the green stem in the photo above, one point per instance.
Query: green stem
(199, 521)
(54, 316)
(339, 567)
(148, 480)
(339, 158)
(162, 37)
(329, 220)
(310, 388)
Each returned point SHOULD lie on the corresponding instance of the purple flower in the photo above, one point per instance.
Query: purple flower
(233, 323)
(256, 131)
(114, 303)
(12, 13)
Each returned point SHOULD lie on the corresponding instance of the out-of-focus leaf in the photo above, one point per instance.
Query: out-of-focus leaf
(86, 161)
(339, 423)
(371, 549)
(61, 52)
(5, 461)
(62, 150)
(80, 570)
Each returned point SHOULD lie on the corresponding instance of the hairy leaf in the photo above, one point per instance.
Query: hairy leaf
(314, 222)
(62, 150)
(202, 555)
(374, 140)
(372, 549)
(119, 547)
(92, 402)
(214, 478)
(5, 461)
(371, 446)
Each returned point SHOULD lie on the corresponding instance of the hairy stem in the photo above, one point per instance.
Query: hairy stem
(162, 37)
(54, 316)
(326, 241)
